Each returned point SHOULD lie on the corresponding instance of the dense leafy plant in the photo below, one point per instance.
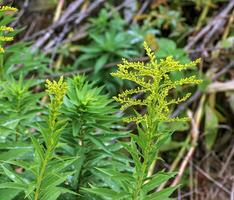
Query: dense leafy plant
(49, 166)
(20, 60)
(109, 42)
(165, 19)
(18, 101)
(154, 81)
(19, 104)
(91, 134)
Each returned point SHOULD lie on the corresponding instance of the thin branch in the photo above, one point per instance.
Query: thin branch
(195, 122)
(212, 180)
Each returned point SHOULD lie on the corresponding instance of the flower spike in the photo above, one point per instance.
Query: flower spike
(154, 81)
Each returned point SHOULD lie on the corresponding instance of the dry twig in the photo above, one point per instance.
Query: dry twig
(212, 28)
(195, 122)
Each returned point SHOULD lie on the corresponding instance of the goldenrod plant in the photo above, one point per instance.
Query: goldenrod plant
(154, 82)
(42, 176)
(67, 139)
(51, 135)
(18, 102)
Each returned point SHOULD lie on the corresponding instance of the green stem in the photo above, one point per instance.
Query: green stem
(79, 165)
(1, 67)
(42, 173)
(151, 129)
(143, 174)
(203, 15)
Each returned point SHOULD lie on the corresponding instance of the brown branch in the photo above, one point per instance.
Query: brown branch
(212, 28)
(212, 180)
(195, 122)
(64, 21)
(58, 23)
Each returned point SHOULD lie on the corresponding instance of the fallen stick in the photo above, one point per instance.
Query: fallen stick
(195, 122)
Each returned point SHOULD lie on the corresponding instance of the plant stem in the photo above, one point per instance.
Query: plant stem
(203, 15)
(1, 67)
(150, 131)
(140, 178)
(42, 172)
(50, 148)
(79, 165)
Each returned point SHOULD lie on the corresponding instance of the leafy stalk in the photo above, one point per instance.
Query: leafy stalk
(93, 127)
(155, 83)
(57, 90)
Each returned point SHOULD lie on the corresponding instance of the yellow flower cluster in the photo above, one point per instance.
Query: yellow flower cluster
(2, 50)
(6, 39)
(58, 90)
(8, 8)
(6, 28)
(155, 83)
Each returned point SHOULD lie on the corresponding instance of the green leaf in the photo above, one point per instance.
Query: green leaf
(45, 133)
(75, 128)
(89, 50)
(211, 127)
(132, 149)
(98, 143)
(107, 193)
(163, 194)
(8, 194)
(38, 148)
(53, 179)
(25, 165)
(12, 175)
(100, 63)
(52, 193)
(12, 185)
(157, 180)
(14, 154)
(116, 175)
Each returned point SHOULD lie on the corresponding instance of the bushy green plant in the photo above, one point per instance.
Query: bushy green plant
(18, 108)
(109, 41)
(166, 19)
(36, 163)
(91, 134)
(19, 60)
